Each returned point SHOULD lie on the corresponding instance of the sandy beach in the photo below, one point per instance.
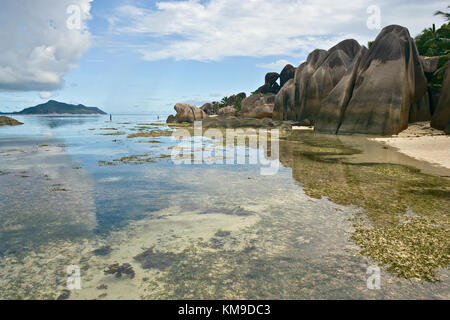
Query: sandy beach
(422, 142)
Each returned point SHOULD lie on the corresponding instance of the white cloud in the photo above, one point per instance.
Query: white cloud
(45, 95)
(212, 30)
(37, 46)
(276, 65)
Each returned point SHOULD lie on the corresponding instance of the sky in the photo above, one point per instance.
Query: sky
(138, 56)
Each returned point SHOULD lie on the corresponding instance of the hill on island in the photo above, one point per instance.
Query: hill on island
(55, 107)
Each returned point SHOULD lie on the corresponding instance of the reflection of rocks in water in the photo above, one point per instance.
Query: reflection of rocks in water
(152, 258)
(119, 270)
(102, 251)
(386, 192)
(54, 202)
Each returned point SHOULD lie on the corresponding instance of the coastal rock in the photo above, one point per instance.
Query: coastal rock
(227, 112)
(171, 119)
(188, 113)
(284, 101)
(389, 81)
(332, 111)
(287, 74)
(429, 64)
(271, 77)
(441, 117)
(420, 110)
(209, 108)
(6, 121)
(258, 106)
(434, 94)
(322, 81)
(270, 85)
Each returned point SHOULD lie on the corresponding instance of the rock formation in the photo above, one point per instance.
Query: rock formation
(258, 106)
(313, 80)
(287, 74)
(333, 108)
(6, 121)
(441, 117)
(186, 113)
(390, 79)
(270, 85)
(227, 112)
(209, 108)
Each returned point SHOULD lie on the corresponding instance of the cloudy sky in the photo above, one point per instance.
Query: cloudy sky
(143, 56)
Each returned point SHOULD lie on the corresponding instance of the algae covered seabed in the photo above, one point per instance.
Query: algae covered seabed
(106, 197)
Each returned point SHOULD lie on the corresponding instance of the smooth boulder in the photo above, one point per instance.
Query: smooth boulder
(287, 74)
(390, 80)
(188, 113)
(227, 112)
(258, 106)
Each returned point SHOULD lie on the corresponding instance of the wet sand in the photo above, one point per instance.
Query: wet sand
(422, 142)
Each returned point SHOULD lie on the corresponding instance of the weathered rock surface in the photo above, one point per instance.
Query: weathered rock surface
(227, 112)
(284, 101)
(429, 64)
(270, 85)
(258, 106)
(390, 80)
(209, 108)
(6, 121)
(287, 74)
(313, 80)
(441, 116)
(333, 107)
(187, 113)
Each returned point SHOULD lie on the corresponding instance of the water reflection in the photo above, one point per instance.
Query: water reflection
(203, 231)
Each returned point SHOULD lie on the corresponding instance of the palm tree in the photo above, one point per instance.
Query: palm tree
(446, 15)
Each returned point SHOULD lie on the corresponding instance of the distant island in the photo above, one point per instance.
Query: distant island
(56, 107)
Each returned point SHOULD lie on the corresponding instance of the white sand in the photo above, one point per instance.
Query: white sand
(422, 142)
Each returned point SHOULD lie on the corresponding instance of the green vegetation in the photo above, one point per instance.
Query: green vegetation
(406, 218)
(436, 43)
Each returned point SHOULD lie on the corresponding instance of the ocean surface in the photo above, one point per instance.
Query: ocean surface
(87, 211)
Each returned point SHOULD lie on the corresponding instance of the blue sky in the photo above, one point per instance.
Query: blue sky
(144, 56)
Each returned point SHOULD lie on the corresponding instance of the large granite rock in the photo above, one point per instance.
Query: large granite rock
(429, 64)
(390, 80)
(289, 103)
(270, 85)
(227, 112)
(441, 116)
(284, 102)
(187, 113)
(333, 108)
(7, 121)
(258, 106)
(287, 74)
(313, 81)
(209, 108)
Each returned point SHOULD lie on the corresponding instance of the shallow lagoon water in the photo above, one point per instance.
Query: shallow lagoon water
(72, 192)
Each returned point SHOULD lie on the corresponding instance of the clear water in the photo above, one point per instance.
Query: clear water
(210, 231)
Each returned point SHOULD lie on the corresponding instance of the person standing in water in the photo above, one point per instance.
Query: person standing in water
(110, 117)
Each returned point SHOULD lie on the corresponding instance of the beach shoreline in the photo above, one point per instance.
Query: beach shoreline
(423, 143)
